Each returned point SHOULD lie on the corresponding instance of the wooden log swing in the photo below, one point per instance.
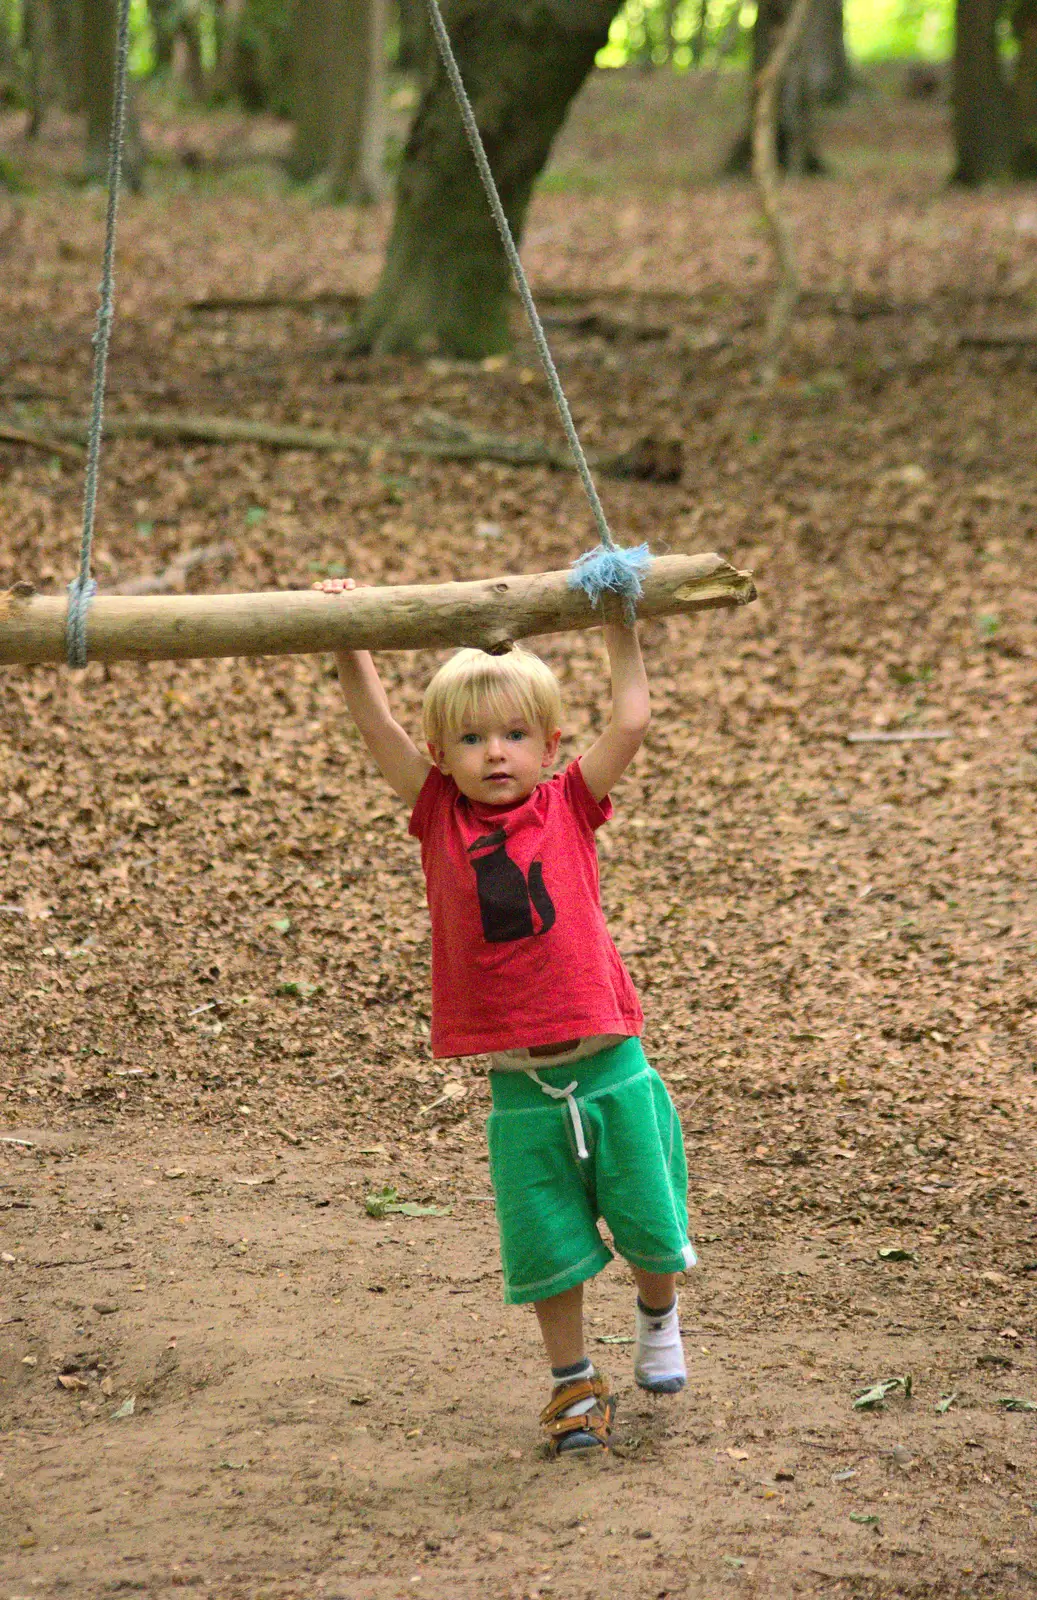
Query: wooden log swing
(490, 613)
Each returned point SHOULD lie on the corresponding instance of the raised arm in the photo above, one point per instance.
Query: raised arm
(615, 748)
(398, 758)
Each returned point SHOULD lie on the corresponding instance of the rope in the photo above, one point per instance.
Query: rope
(464, 105)
(82, 588)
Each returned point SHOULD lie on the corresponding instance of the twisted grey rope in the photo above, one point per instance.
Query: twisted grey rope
(82, 588)
(464, 105)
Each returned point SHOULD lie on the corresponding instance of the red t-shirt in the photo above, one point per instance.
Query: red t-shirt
(521, 955)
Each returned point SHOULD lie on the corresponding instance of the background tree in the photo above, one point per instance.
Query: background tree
(1024, 28)
(981, 117)
(412, 35)
(98, 23)
(994, 109)
(824, 49)
(796, 138)
(444, 284)
(340, 95)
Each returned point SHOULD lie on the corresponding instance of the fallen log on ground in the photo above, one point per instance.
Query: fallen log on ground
(490, 613)
(40, 441)
(464, 444)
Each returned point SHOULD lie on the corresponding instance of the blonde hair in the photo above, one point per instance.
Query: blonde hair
(473, 681)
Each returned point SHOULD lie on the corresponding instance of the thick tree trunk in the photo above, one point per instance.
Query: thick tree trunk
(1024, 97)
(982, 112)
(797, 146)
(444, 285)
(99, 21)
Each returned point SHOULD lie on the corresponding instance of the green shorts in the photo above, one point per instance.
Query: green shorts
(549, 1198)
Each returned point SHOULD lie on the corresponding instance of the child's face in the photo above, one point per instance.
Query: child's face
(497, 761)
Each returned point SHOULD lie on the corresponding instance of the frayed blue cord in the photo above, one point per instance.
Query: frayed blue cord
(611, 571)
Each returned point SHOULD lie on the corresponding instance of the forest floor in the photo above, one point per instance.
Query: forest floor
(214, 945)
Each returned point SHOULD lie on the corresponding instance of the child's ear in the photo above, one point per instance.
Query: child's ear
(437, 753)
(551, 747)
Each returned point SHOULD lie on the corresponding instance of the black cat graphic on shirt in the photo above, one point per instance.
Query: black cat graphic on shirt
(507, 902)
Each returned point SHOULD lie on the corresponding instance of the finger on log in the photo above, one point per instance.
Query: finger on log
(490, 613)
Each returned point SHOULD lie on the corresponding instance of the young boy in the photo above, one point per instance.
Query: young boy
(524, 971)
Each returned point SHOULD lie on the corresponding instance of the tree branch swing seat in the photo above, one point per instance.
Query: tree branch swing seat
(489, 613)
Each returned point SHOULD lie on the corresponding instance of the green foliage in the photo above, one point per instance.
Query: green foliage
(685, 33)
(681, 33)
(883, 30)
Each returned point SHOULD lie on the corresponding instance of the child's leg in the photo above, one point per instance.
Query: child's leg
(657, 1290)
(561, 1324)
(659, 1364)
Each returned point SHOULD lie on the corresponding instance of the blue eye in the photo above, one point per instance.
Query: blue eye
(517, 733)
(469, 738)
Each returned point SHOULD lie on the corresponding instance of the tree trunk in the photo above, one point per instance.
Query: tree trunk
(53, 36)
(797, 147)
(39, 45)
(825, 52)
(188, 62)
(356, 170)
(321, 29)
(444, 285)
(414, 39)
(9, 74)
(99, 20)
(164, 18)
(982, 112)
(228, 16)
(1024, 96)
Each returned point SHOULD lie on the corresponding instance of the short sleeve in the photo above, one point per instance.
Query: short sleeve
(580, 800)
(431, 796)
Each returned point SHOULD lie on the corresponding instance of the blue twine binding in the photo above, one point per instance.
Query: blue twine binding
(606, 570)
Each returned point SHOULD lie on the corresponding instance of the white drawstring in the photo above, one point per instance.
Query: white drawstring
(566, 1094)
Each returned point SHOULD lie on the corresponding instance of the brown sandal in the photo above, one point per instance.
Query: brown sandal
(588, 1430)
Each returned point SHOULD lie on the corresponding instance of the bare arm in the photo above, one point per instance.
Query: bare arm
(397, 756)
(615, 748)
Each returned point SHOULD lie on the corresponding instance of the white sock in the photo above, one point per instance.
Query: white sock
(575, 1374)
(659, 1355)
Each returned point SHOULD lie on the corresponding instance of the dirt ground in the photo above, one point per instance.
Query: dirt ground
(213, 937)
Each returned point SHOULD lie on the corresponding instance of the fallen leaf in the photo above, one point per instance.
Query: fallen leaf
(875, 1397)
(175, 1172)
(127, 1409)
(866, 1519)
(68, 1380)
(736, 1455)
(29, 1361)
(1013, 1403)
(896, 1253)
(943, 1405)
